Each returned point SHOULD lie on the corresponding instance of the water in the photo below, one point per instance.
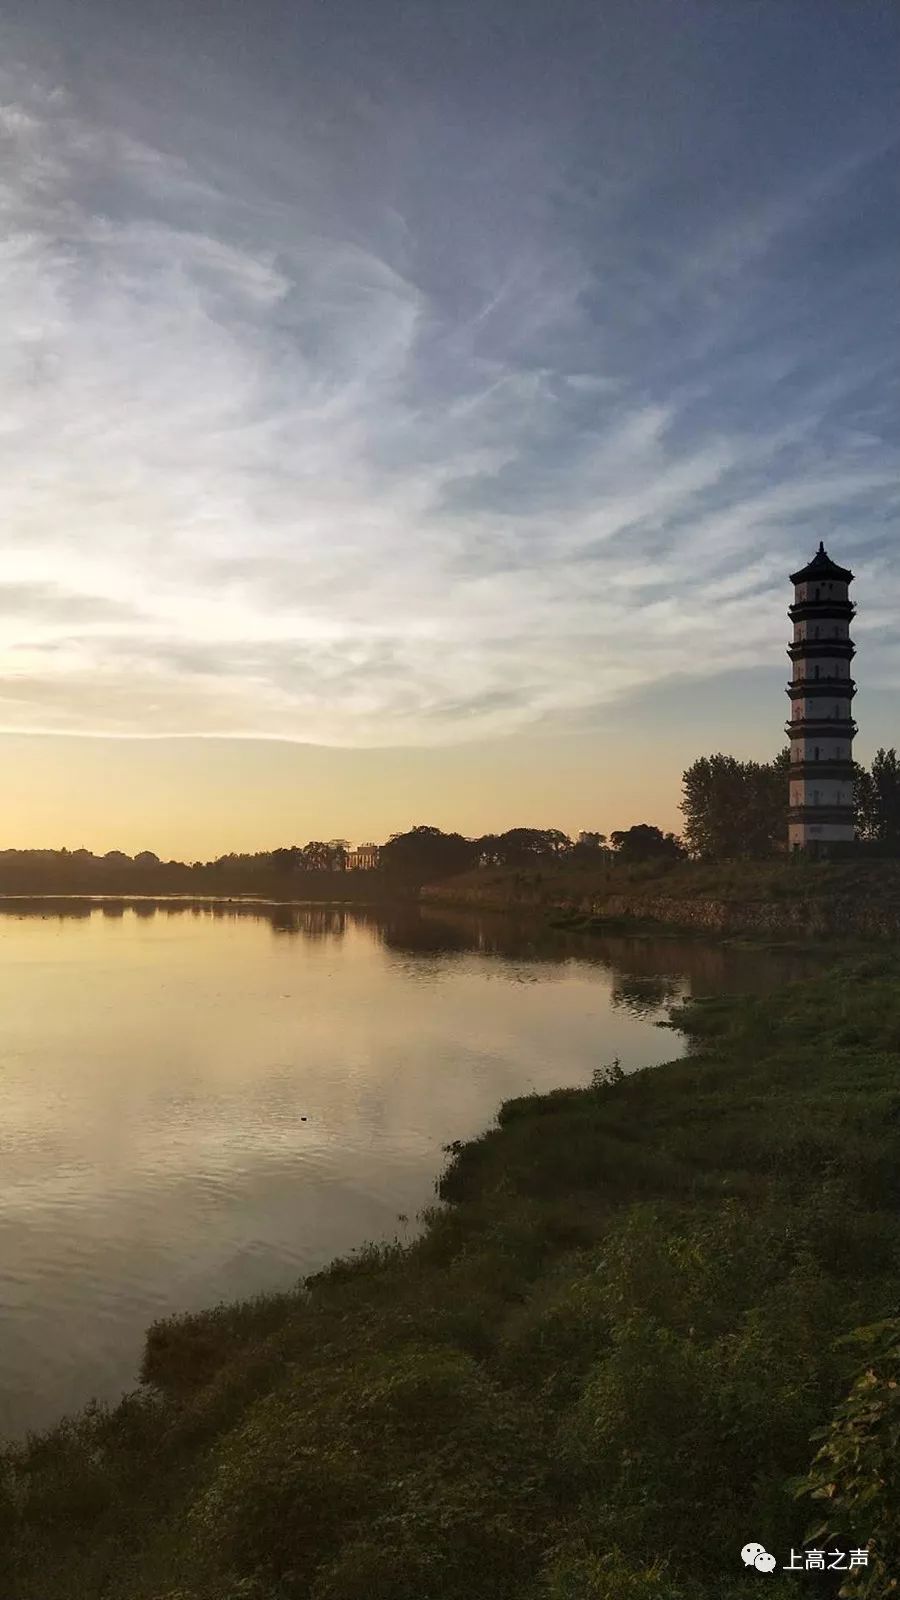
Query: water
(199, 1102)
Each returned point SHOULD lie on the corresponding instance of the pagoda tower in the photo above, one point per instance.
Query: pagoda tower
(821, 691)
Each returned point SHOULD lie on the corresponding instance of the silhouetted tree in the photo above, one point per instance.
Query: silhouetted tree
(520, 847)
(877, 801)
(590, 850)
(488, 850)
(865, 804)
(736, 808)
(426, 852)
(643, 842)
(316, 856)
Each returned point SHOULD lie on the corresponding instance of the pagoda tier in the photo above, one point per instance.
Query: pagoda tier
(823, 769)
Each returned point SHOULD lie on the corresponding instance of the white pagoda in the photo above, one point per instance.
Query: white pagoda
(821, 691)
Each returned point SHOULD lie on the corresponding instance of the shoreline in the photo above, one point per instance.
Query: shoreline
(609, 1270)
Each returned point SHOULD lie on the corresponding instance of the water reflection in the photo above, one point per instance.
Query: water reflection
(201, 1100)
(650, 972)
(645, 996)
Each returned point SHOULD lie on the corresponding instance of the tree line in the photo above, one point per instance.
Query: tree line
(318, 867)
(427, 852)
(732, 809)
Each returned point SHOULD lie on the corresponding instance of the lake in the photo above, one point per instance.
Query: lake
(202, 1101)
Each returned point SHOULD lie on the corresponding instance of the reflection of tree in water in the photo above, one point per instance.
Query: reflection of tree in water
(407, 929)
(648, 973)
(44, 907)
(310, 922)
(642, 996)
(708, 967)
(490, 933)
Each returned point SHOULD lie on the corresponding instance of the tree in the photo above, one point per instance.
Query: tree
(316, 856)
(736, 808)
(865, 804)
(643, 842)
(885, 778)
(287, 859)
(589, 849)
(426, 852)
(521, 847)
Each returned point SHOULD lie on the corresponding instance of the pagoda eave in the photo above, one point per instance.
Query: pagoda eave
(826, 727)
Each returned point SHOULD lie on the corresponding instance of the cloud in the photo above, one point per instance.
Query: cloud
(46, 600)
(411, 451)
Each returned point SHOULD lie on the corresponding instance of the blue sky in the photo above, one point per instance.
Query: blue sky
(401, 376)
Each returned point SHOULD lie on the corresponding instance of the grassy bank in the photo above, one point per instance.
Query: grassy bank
(595, 1376)
(784, 897)
(778, 879)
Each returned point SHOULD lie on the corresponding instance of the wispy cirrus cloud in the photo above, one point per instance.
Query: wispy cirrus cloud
(437, 443)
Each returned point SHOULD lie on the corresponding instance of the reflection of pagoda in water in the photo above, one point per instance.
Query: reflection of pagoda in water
(821, 690)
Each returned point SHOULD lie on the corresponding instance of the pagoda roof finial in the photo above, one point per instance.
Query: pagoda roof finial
(822, 566)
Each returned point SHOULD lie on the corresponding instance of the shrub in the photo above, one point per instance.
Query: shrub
(855, 1477)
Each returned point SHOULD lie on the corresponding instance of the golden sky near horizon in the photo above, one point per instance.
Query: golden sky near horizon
(193, 798)
(196, 799)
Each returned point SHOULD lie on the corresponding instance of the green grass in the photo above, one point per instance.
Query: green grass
(594, 1377)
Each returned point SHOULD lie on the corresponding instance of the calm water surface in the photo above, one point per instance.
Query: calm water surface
(157, 1065)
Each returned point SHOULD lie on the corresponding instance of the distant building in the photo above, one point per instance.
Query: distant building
(821, 692)
(363, 859)
(592, 840)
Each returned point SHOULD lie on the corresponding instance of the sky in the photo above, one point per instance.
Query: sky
(411, 412)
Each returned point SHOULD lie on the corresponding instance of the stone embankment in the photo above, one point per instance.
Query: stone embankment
(854, 916)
